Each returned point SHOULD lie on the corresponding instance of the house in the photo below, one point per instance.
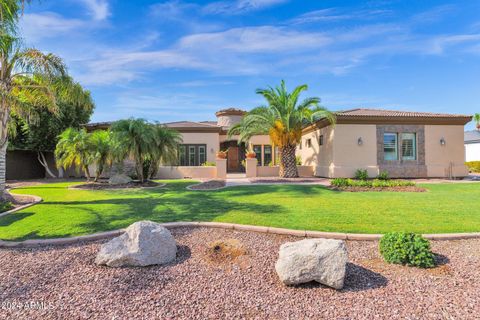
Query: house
(406, 144)
(472, 145)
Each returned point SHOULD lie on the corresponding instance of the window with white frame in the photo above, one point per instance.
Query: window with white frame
(409, 146)
(390, 146)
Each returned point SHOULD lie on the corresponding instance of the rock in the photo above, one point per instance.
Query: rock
(321, 260)
(119, 179)
(144, 243)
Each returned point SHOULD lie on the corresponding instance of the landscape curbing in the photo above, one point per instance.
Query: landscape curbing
(228, 226)
(36, 200)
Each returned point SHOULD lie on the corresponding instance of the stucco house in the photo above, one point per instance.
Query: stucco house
(472, 145)
(406, 144)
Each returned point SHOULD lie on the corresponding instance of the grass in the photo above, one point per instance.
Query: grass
(64, 212)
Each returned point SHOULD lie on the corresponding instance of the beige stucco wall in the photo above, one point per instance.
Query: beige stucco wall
(449, 159)
(319, 157)
(348, 155)
(211, 139)
(266, 171)
(228, 120)
(166, 172)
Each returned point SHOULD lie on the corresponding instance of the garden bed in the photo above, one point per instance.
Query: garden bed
(247, 287)
(208, 185)
(104, 185)
(379, 189)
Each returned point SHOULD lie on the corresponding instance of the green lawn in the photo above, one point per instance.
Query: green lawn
(64, 212)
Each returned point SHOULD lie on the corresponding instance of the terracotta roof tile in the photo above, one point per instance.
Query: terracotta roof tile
(393, 113)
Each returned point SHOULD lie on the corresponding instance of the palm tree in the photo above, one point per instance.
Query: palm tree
(26, 80)
(283, 119)
(476, 118)
(165, 150)
(100, 152)
(74, 149)
(134, 138)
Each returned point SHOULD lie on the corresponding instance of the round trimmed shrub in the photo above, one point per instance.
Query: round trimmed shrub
(407, 248)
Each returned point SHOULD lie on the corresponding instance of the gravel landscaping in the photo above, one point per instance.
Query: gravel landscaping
(64, 282)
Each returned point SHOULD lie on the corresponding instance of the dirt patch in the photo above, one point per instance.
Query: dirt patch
(222, 251)
(379, 189)
(209, 185)
(104, 185)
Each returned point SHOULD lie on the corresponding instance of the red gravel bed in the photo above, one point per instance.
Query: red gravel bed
(66, 280)
(209, 185)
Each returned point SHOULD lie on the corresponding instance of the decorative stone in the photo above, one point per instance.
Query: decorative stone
(119, 179)
(320, 260)
(144, 243)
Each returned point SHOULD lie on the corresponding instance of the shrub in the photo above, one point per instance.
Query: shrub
(5, 206)
(376, 183)
(298, 160)
(209, 164)
(361, 174)
(473, 166)
(408, 249)
(383, 175)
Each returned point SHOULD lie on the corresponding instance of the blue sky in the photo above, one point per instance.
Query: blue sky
(183, 60)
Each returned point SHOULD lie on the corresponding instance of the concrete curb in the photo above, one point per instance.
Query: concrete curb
(160, 185)
(36, 200)
(229, 226)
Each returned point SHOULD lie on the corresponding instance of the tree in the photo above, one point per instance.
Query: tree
(40, 132)
(74, 148)
(165, 150)
(100, 151)
(27, 77)
(134, 138)
(476, 118)
(283, 119)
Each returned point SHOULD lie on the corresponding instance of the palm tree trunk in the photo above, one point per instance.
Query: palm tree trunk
(288, 163)
(87, 172)
(4, 117)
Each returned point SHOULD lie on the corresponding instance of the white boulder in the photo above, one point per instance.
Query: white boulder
(119, 179)
(321, 260)
(144, 243)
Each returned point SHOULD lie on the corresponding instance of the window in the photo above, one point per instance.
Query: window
(192, 154)
(309, 143)
(277, 155)
(320, 140)
(300, 144)
(267, 154)
(258, 153)
(202, 156)
(409, 146)
(390, 147)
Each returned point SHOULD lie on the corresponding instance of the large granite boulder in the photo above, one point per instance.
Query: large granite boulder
(119, 179)
(144, 243)
(321, 260)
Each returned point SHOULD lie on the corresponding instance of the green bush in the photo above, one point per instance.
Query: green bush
(376, 183)
(473, 166)
(361, 174)
(383, 175)
(298, 160)
(209, 164)
(408, 249)
(5, 206)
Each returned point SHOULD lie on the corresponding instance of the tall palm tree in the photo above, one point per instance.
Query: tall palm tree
(26, 80)
(101, 153)
(167, 142)
(283, 119)
(134, 138)
(74, 149)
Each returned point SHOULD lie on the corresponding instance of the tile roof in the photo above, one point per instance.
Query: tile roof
(360, 112)
(472, 136)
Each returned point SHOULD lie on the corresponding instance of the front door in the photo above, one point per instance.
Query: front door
(232, 159)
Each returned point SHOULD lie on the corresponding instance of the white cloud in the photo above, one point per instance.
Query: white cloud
(440, 44)
(99, 9)
(47, 24)
(240, 6)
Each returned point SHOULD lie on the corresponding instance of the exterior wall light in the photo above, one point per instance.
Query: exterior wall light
(360, 141)
(442, 141)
